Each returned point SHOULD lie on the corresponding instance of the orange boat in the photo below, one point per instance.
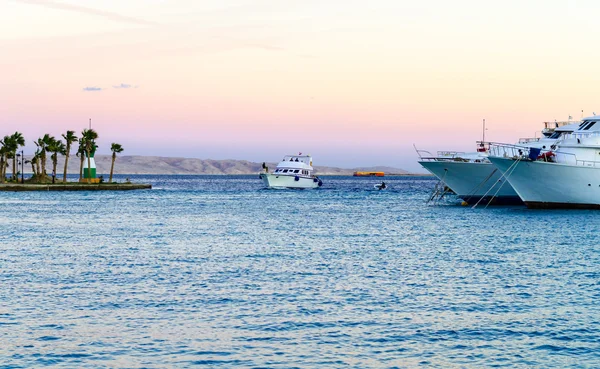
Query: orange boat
(368, 174)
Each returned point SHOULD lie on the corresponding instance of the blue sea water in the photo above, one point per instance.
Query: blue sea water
(214, 271)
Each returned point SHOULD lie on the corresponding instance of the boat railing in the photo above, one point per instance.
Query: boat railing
(450, 154)
(536, 154)
(555, 124)
(508, 150)
(440, 155)
(446, 159)
(526, 140)
(422, 153)
(581, 135)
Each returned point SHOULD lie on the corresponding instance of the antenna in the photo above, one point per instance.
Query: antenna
(90, 123)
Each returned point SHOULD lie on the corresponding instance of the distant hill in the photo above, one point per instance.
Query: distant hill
(167, 165)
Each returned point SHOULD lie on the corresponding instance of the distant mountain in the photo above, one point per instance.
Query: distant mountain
(168, 165)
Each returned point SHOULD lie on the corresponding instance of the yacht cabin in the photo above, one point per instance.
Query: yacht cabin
(295, 165)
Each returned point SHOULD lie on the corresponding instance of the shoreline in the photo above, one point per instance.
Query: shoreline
(251, 174)
(18, 187)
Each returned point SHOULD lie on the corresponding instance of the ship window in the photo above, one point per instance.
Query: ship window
(589, 125)
(285, 171)
(297, 170)
(583, 124)
(555, 135)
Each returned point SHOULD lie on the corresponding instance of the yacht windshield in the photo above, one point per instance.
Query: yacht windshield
(589, 125)
(555, 135)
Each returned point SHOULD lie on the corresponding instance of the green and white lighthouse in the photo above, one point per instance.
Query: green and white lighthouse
(90, 172)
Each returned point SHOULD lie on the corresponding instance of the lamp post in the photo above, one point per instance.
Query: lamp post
(22, 166)
(20, 161)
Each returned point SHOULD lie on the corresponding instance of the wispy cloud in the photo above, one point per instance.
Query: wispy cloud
(124, 85)
(86, 10)
(92, 89)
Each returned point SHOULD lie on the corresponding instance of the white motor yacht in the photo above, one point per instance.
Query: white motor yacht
(473, 177)
(294, 171)
(566, 175)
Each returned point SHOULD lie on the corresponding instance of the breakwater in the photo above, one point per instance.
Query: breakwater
(12, 187)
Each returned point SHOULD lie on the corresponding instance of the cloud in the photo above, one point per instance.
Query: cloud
(124, 85)
(92, 89)
(85, 10)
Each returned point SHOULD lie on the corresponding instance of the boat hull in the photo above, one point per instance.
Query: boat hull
(544, 185)
(284, 182)
(473, 182)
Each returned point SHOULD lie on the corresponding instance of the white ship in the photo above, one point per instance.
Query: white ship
(473, 177)
(566, 175)
(294, 171)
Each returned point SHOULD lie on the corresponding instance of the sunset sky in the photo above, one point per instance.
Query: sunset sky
(354, 83)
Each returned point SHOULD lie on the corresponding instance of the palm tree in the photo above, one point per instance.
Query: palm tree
(17, 141)
(4, 147)
(81, 154)
(42, 144)
(38, 166)
(90, 147)
(55, 147)
(9, 155)
(33, 163)
(115, 148)
(69, 139)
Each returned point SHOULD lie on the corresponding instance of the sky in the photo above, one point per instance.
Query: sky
(353, 83)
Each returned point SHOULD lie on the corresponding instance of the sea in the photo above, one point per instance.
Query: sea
(218, 272)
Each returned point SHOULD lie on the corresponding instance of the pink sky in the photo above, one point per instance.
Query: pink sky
(353, 83)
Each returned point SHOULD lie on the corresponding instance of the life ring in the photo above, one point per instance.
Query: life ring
(296, 178)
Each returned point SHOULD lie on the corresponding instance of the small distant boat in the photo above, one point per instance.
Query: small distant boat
(368, 174)
(380, 186)
(294, 171)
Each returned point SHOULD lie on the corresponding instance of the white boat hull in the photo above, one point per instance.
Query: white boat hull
(473, 182)
(287, 181)
(552, 185)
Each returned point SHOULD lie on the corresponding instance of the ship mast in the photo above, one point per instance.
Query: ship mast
(483, 139)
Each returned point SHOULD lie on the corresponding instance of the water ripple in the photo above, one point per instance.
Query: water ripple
(213, 271)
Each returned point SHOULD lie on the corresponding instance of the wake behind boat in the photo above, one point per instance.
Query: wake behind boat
(380, 186)
(294, 171)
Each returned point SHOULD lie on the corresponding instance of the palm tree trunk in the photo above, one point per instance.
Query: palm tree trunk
(2, 168)
(89, 179)
(14, 173)
(54, 163)
(112, 166)
(43, 158)
(66, 164)
(33, 169)
(81, 159)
